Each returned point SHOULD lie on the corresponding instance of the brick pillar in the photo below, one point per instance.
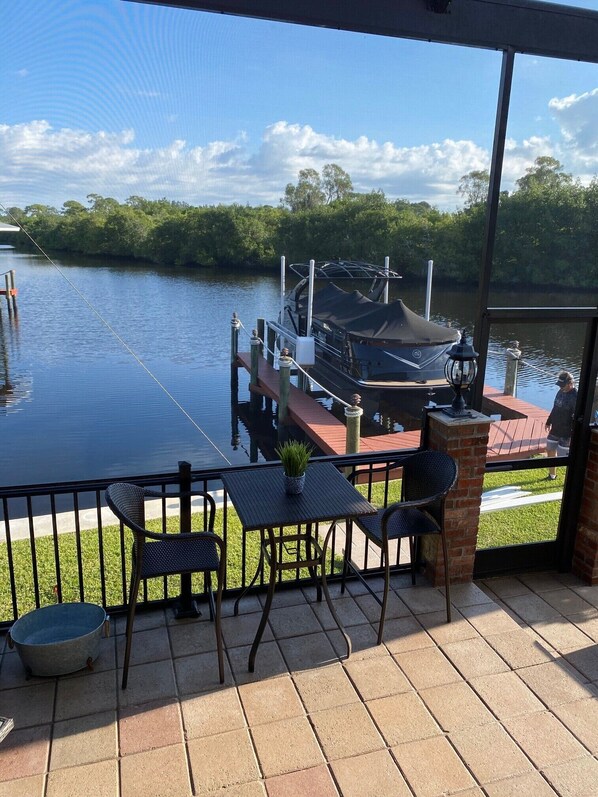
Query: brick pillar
(585, 553)
(466, 440)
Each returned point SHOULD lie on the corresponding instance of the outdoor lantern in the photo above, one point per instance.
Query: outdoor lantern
(460, 370)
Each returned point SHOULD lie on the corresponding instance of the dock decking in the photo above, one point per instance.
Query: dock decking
(518, 437)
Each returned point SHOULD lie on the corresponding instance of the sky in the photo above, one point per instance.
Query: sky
(120, 99)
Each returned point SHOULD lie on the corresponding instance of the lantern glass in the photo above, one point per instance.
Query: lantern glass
(460, 370)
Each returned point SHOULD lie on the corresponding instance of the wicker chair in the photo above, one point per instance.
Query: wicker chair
(427, 478)
(156, 554)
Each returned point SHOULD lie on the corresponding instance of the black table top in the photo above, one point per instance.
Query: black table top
(259, 497)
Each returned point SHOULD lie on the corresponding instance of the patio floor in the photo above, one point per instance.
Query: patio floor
(500, 702)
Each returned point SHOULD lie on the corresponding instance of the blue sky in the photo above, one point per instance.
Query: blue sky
(117, 98)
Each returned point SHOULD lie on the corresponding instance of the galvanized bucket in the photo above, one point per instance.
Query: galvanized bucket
(59, 639)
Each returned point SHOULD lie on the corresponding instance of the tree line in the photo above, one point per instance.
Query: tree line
(546, 233)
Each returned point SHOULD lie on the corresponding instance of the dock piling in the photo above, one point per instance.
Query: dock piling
(512, 370)
(284, 365)
(353, 415)
(256, 398)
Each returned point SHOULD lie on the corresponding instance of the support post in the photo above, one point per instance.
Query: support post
(271, 344)
(353, 415)
(186, 605)
(13, 290)
(7, 284)
(429, 290)
(386, 291)
(512, 369)
(284, 372)
(255, 399)
(261, 333)
(235, 326)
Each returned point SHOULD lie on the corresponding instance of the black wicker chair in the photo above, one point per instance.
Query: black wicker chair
(427, 478)
(156, 554)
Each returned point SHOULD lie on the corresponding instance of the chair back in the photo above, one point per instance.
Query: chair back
(429, 474)
(127, 503)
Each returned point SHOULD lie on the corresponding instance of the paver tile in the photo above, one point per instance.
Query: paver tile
(490, 753)
(269, 663)
(377, 677)
(488, 619)
(292, 621)
(581, 717)
(563, 635)
(456, 706)
(442, 632)
(210, 713)
(556, 682)
(162, 772)
(541, 582)
(312, 650)
(506, 695)
(34, 786)
(84, 740)
(427, 667)
(240, 630)
(585, 659)
(371, 608)
(421, 599)
(254, 788)
(150, 645)
(519, 648)
(190, 638)
(532, 784)
(531, 608)
(25, 752)
(29, 705)
(544, 739)
(364, 641)
(325, 687)
(345, 731)
(143, 621)
(223, 760)
(507, 586)
(286, 746)
(272, 700)
(405, 633)
(474, 657)
(403, 718)
(447, 775)
(576, 778)
(90, 694)
(588, 593)
(199, 673)
(147, 683)
(99, 779)
(468, 594)
(314, 781)
(347, 609)
(566, 601)
(149, 725)
(370, 775)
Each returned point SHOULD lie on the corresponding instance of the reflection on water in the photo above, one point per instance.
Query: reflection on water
(122, 369)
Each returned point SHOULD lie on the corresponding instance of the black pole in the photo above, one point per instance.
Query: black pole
(186, 605)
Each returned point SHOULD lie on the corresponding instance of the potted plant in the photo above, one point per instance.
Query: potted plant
(294, 456)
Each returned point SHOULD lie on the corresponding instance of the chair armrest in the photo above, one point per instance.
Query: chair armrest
(149, 493)
(185, 535)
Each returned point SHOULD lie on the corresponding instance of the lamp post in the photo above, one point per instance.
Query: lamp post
(460, 370)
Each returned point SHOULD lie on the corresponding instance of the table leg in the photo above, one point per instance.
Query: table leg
(260, 567)
(313, 572)
(327, 593)
(266, 610)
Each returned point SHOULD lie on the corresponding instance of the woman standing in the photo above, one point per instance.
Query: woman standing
(559, 424)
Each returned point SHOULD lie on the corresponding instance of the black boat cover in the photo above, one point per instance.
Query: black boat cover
(362, 318)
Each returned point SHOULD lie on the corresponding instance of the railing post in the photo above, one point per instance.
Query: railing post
(513, 357)
(284, 365)
(261, 333)
(235, 326)
(255, 398)
(353, 415)
(271, 345)
(186, 605)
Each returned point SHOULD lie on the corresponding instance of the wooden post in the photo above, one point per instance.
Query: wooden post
(271, 345)
(255, 398)
(14, 290)
(261, 333)
(513, 357)
(284, 364)
(235, 326)
(353, 415)
(186, 605)
(7, 283)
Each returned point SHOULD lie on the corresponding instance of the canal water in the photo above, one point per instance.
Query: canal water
(120, 369)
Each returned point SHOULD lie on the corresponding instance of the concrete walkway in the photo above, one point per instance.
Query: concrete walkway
(501, 702)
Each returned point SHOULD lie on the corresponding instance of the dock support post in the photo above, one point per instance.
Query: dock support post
(235, 326)
(353, 415)
(284, 365)
(513, 357)
(271, 342)
(256, 399)
(13, 285)
(7, 283)
(261, 333)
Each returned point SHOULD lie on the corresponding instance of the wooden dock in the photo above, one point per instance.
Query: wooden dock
(518, 436)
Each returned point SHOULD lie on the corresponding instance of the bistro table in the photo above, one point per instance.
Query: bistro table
(262, 505)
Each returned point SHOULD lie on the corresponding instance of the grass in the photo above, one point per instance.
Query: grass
(505, 527)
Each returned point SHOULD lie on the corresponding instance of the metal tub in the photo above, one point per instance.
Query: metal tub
(59, 639)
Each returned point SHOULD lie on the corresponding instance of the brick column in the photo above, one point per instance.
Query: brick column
(466, 440)
(585, 553)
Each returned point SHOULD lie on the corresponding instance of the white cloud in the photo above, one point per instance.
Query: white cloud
(48, 165)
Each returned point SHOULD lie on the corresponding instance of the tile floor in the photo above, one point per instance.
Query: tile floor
(501, 702)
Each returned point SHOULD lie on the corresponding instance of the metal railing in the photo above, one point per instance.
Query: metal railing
(60, 542)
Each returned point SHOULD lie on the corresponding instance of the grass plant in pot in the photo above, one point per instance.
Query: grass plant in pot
(294, 456)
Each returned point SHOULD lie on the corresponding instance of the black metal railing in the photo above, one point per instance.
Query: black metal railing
(60, 542)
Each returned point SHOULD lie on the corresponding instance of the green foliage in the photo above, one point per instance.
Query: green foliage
(294, 456)
(546, 229)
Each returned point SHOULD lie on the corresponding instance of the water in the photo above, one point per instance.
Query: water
(123, 369)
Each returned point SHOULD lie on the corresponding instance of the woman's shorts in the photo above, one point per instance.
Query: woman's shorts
(558, 446)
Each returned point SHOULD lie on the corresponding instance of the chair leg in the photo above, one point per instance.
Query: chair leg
(413, 556)
(447, 580)
(133, 593)
(347, 556)
(218, 618)
(207, 585)
(385, 594)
